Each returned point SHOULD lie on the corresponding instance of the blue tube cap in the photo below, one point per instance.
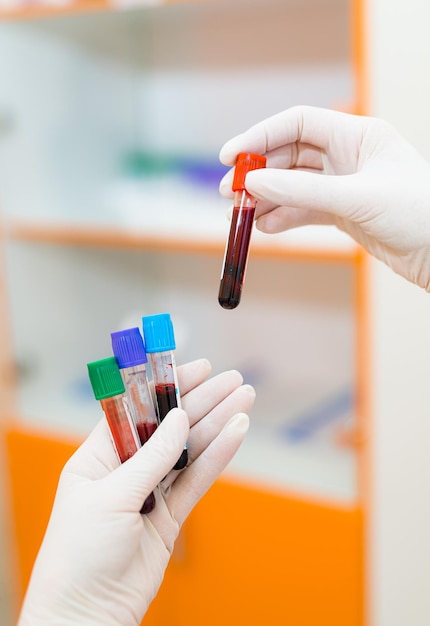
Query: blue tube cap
(128, 347)
(158, 333)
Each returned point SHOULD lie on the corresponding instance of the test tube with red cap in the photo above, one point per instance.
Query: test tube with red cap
(237, 247)
(108, 388)
(160, 344)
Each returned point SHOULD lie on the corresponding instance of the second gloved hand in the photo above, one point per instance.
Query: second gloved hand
(358, 173)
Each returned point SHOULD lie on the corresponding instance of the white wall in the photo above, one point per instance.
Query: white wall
(398, 62)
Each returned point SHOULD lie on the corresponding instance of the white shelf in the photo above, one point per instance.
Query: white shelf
(187, 213)
(316, 467)
(178, 213)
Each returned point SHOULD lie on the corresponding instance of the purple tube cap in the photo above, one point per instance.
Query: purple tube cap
(128, 347)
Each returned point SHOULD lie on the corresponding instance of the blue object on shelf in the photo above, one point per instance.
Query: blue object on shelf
(200, 170)
(204, 173)
(315, 418)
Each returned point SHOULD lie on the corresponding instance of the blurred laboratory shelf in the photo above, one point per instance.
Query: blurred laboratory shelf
(310, 242)
(151, 215)
(314, 464)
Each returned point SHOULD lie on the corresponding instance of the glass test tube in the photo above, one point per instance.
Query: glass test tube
(131, 358)
(130, 353)
(242, 221)
(108, 388)
(160, 345)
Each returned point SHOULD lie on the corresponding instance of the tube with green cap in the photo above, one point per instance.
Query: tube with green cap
(108, 388)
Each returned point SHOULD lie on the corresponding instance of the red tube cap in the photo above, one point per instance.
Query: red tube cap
(245, 163)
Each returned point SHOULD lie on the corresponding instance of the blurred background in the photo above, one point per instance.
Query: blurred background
(111, 119)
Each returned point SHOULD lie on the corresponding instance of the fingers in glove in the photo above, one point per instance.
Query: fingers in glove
(95, 457)
(201, 400)
(192, 374)
(313, 126)
(336, 195)
(286, 218)
(291, 156)
(130, 484)
(193, 482)
(205, 430)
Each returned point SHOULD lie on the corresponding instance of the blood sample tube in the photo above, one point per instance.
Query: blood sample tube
(130, 353)
(160, 344)
(237, 247)
(108, 388)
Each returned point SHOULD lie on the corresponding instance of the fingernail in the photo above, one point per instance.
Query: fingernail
(250, 389)
(240, 422)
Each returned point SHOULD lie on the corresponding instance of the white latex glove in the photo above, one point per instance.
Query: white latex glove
(101, 562)
(376, 186)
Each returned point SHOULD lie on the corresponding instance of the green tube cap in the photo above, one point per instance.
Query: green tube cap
(105, 378)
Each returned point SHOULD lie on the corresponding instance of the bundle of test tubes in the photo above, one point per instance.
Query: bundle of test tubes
(122, 385)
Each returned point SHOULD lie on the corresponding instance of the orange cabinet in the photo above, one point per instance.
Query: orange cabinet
(251, 555)
(258, 557)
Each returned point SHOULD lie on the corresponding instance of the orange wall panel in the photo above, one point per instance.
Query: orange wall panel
(245, 556)
(34, 462)
(251, 557)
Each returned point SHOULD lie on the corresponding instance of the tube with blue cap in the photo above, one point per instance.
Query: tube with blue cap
(160, 345)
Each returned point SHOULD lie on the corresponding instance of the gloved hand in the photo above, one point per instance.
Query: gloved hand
(101, 562)
(376, 186)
